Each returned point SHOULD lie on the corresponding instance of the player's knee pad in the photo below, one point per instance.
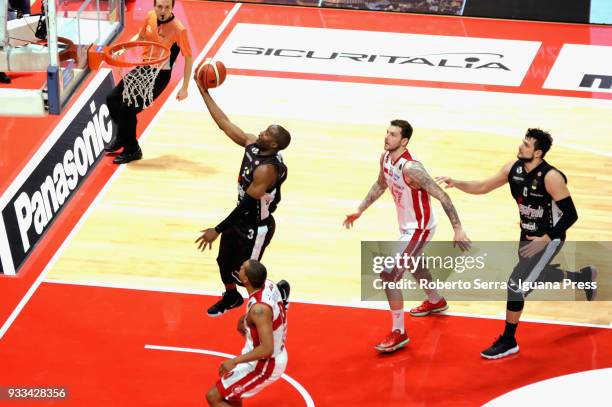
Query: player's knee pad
(515, 306)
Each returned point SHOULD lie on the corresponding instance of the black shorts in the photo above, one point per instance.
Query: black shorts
(531, 269)
(240, 244)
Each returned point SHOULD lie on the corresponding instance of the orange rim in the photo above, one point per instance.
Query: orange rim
(108, 53)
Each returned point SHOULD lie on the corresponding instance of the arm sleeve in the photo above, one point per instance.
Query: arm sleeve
(566, 205)
(246, 210)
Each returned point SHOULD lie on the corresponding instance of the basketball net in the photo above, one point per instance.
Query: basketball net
(138, 85)
(139, 65)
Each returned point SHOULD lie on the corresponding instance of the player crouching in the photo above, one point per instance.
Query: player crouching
(264, 326)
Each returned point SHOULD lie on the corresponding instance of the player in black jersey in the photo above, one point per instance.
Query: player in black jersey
(546, 213)
(248, 229)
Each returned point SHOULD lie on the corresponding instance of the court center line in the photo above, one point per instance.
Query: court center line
(303, 392)
(101, 74)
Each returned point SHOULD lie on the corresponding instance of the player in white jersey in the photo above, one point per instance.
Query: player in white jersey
(411, 187)
(264, 356)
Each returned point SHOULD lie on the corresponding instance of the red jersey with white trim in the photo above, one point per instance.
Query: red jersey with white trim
(270, 296)
(413, 205)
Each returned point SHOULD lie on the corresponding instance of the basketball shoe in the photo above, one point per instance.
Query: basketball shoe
(427, 308)
(393, 342)
(285, 288)
(501, 348)
(230, 299)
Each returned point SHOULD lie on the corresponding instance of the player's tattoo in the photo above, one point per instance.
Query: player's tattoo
(417, 173)
(375, 192)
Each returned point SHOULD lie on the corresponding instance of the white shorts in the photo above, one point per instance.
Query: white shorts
(248, 379)
(411, 242)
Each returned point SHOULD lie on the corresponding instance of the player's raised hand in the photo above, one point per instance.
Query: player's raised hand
(461, 240)
(195, 79)
(207, 238)
(450, 183)
(348, 222)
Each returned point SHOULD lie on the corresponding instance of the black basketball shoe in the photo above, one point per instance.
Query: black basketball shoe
(285, 289)
(588, 274)
(230, 299)
(501, 348)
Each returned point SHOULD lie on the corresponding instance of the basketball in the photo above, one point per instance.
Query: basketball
(211, 74)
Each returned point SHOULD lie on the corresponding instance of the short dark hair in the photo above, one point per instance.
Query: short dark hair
(256, 273)
(155, 3)
(405, 126)
(282, 137)
(542, 140)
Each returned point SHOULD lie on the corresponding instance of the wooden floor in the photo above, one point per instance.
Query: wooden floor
(142, 230)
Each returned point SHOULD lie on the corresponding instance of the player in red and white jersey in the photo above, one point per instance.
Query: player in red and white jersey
(413, 205)
(412, 189)
(264, 356)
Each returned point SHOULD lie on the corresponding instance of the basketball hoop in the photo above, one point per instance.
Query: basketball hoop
(139, 63)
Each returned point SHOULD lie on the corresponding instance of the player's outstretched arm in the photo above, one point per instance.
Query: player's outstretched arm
(417, 174)
(376, 191)
(234, 132)
(479, 187)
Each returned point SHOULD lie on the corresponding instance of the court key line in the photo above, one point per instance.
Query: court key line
(375, 305)
(303, 392)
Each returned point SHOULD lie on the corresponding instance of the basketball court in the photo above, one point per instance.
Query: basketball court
(110, 301)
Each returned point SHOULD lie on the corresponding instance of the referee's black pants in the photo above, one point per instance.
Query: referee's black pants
(124, 115)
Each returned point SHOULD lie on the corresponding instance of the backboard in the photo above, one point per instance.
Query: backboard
(55, 43)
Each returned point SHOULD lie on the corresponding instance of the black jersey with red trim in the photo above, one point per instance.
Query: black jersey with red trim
(537, 209)
(267, 204)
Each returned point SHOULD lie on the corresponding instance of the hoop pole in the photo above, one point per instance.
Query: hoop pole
(52, 32)
(4, 41)
(98, 17)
